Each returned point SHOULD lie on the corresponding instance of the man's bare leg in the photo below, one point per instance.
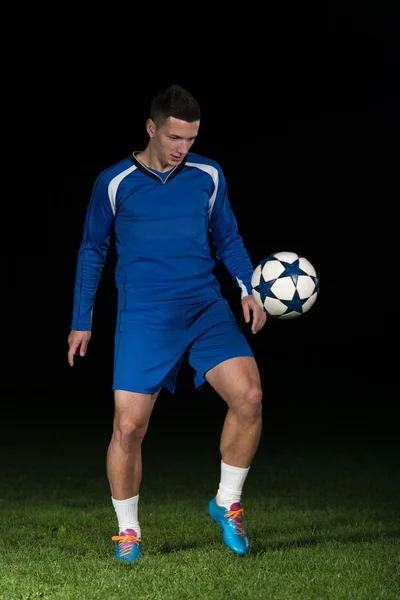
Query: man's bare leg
(237, 381)
(124, 456)
(132, 413)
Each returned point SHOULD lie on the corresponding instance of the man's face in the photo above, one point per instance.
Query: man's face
(173, 140)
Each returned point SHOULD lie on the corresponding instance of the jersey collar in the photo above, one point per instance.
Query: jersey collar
(149, 173)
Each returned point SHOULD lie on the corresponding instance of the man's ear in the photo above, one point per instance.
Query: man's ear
(150, 127)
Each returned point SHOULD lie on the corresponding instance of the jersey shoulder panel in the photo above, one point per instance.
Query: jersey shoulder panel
(109, 181)
(116, 170)
(209, 166)
(194, 158)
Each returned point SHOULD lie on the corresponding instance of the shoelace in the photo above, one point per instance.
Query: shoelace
(127, 542)
(236, 516)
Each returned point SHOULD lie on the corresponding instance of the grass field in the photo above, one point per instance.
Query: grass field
(322, 510)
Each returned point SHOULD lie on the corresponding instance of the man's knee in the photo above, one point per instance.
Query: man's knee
(254, 395)
(132, 415)
(130, 431)
(245, 399)
(251, 402)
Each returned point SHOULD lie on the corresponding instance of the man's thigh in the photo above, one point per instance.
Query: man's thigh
(236, 379)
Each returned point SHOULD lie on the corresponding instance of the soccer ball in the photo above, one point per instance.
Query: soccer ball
(285, 285)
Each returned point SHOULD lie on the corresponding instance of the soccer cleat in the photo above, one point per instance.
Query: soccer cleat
(129, 546)
(231, 521)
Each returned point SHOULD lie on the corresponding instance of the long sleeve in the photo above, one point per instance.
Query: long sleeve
(227, 240)
(92, 254)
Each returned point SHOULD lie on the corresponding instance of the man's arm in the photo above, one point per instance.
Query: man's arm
(230, 249)
(92, 255)
(227, 240)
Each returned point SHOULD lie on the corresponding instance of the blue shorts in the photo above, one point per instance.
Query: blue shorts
(150, 344)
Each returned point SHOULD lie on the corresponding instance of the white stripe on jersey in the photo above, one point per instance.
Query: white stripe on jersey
(212, 171)
(114, 184)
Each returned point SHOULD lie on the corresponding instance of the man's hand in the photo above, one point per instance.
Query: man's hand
(259, 316)
(78, 342)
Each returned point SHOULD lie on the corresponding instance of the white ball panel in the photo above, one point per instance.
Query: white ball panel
(255, 279)
(257, 298)
(291, 315)
(283, 288)
(306, 266)
(274, 307)
(308, 304)
(272, 269)
(305, 286)
(288, 257)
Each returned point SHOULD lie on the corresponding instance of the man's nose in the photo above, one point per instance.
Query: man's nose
(183, 147)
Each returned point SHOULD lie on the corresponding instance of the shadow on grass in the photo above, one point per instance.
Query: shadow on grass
(261, 546)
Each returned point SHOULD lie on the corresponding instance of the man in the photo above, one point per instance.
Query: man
(163, 204)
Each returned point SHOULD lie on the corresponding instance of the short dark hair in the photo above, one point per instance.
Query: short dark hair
(174, 101)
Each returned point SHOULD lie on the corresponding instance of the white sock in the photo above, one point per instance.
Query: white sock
(231, 484)
(127, 514)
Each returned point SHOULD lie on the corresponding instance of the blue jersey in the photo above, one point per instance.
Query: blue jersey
(163, 225)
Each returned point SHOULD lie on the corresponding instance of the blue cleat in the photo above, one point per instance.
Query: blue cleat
(233, 534)
(129, 546)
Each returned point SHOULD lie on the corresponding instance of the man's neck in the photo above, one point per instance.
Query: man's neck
(149, 160)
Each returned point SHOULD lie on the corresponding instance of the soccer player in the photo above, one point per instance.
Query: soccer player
(165, 205)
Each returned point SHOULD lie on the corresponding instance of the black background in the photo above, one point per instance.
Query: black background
(302, 113)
